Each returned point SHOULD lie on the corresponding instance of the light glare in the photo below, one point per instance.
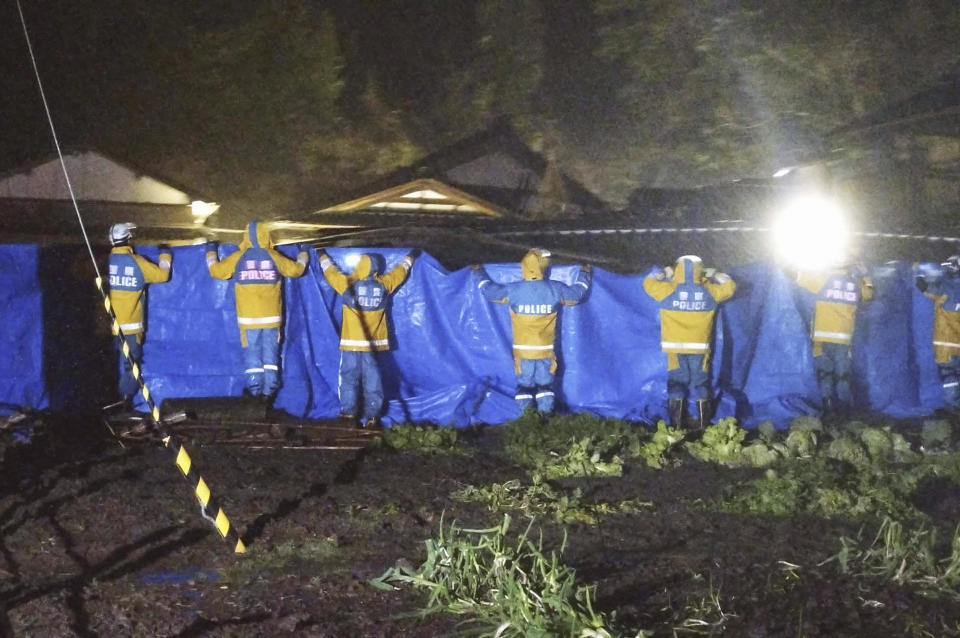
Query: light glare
(811, 233)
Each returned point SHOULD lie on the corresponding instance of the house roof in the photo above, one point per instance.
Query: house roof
(95, 176)
(497, 170)
(424, 195)
(35, 201)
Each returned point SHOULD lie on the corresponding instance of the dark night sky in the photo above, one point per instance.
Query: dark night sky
(628, 93)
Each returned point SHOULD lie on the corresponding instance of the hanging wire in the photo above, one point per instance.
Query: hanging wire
(56, 141)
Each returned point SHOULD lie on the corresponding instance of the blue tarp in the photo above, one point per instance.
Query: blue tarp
(452, 363)
(22, 381)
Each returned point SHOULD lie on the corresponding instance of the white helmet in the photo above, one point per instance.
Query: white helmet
(120, 233)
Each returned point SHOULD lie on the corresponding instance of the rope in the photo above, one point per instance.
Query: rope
(708, 229)
(181, 457)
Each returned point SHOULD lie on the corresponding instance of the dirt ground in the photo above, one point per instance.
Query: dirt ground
(96, 540)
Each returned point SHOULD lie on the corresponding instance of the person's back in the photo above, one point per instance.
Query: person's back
(688, 299)
(128, 276)
(364, 331)
(534, 303)
(257, 270)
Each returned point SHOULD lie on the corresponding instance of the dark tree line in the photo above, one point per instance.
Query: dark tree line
(286, 105)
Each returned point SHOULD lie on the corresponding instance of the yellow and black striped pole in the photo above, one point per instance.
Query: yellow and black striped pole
(182, 460)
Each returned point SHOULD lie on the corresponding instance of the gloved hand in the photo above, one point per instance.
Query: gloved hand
(921, 282)
(668, 273)
(709, 273)
(859, 271)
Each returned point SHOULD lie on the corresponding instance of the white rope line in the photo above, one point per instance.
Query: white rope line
(708, 229)
(56, 141)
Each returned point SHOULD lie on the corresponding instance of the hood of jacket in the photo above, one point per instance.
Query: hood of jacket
(367, 266)
(257, 236)
(689, 270)
(532, 265)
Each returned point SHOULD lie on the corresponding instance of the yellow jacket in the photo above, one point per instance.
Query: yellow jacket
(129, 274)
(365, 294)
(534, 304)
(946, 317)
(256, 268)
(838, 294)
(688, 305)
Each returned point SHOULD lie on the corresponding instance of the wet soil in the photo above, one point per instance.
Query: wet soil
(96, 540)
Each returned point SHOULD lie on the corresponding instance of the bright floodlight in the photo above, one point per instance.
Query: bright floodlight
(201, 210)
(352, 260)
(811, 233)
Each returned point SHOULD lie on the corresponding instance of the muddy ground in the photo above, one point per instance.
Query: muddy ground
(96, 540)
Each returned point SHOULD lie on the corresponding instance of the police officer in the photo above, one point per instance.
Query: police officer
(689, 297)
(257, 269)
(839, 292)
(129, 275)
(944, 289)
(364, 330)
(534, 304)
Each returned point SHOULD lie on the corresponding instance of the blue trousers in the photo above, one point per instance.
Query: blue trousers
(689, 378)
(126, 384)
(535, 384)
(261, 356)
(833, 367)
(358, 368)
(950, 382)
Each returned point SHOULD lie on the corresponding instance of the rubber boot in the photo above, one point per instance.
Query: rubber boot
(704, 413)
(678, 410)
(828, 408)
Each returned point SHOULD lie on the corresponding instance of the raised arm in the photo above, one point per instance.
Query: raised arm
(288, 267)
(721, 287)
(572, 295)
(222, 268)
(658, 285)
(494, 292)
(155, 273)
(331, 273)
(810, 281)
(393, 279)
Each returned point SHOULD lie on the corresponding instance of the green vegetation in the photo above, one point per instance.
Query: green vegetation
(906, 556)
(658, 451)
(824, 487)
(421, 438)
(720, 443)
(504, 588)
(570, 445)
(540, 498)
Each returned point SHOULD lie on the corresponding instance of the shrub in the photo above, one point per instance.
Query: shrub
(504, 588)
(720, 443)
(417, 437)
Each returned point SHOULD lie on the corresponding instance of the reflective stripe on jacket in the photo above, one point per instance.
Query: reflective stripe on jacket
(365, 298)
(838, 294)
(534, 303)
(688, 305)
(257, 270)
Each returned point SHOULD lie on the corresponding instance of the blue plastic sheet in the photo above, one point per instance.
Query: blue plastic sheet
(452, 362)
(22, 380)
